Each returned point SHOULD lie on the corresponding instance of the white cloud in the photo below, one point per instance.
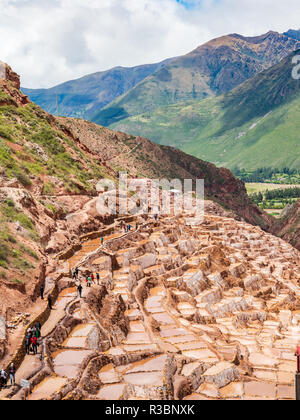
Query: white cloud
(51, 41)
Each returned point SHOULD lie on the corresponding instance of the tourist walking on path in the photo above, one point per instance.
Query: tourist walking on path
(34, 344)
(38, 330)
(102, 241)
(27, 344)
(50, 302)
(29, 332)
(98, 278)
(3, 378)
(39, 326)
(42, 291)
(79, 288)
(12, 374)
(89, 282)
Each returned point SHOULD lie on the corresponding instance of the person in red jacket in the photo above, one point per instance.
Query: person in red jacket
(34, 344)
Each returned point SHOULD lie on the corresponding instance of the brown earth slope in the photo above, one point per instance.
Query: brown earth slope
(143, 158)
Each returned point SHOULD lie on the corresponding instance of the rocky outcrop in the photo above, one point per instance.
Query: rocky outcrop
(222, 374)
(10, 83)
(95, 298)
(113, 318)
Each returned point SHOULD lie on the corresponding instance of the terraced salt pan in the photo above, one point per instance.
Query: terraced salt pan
(205, 355)
(47, 387)
(116, 351)
(152, 364)
(154, 304)
(65, 297)
(259, 359)
(181, 339)
(67, 362)
(209, 390)
(136, 326)
(111, 392)
(233, 390)
(264, 374)
(108, 375)
(78, 336)
(158, 291)
(163, 318)
(268, 354)
(151, 379)
(258, 389)
(285, 392)
(137, 338)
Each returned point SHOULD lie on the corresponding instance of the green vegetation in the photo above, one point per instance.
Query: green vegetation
(65, 160)
(13, 253)
(211, 69)
(9, 213)
(269, 175)
(112, 115)
(276, 199)
(83, 97)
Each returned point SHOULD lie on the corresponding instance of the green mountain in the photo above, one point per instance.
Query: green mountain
(211, 69)
(255, 125)
(84, 97)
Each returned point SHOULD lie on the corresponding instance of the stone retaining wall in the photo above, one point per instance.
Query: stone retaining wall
(20, 353)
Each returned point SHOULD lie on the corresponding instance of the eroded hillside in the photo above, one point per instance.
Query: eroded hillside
(288, 227)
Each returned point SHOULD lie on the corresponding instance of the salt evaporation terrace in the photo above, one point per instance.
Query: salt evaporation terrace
(183, 311)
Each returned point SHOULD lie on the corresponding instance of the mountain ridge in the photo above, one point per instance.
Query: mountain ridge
(211, 69)
(253, 126)
(82, 97)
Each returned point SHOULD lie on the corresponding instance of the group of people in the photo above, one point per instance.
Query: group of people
(89, 280)
(128, 228)
(32, 339)
(4, 376)
(31, 344)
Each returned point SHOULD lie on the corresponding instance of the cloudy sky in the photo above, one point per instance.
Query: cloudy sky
(51, 41)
